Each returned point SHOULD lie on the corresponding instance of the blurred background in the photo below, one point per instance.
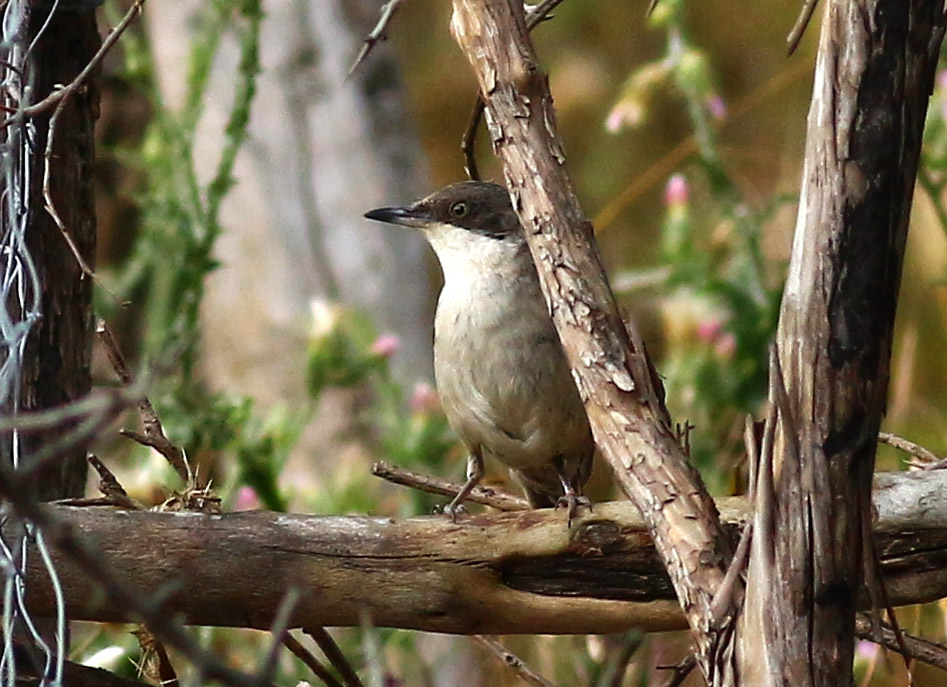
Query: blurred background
(289, 340)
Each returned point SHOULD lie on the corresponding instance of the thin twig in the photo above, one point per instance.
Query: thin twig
(335, 656)
(512, 660)
(280, 630)
(54, 97)
(442, 487)
(109, 485)
(377, 34)
(799, 28)
(681, 671)
(925, 651)
(925, 457)
(313, 663)
(730, 592)
(50, 207)
(153, 436)
(155, 664)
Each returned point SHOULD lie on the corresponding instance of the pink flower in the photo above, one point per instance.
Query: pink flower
(709, 330)
(677, 191)
(385, 346)
(717, 107)
(247, 499)
(424, 399)
(726, 346)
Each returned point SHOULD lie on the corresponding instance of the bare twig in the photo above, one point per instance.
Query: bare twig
(53, 98)
(512, 660)
(799, 28)
(681, 671)
(153, 436)
(923, 650)
(155, 665)
(313, 663)
(110, 487)
(377, 34)
(729, 594)
(437, 485)
(75, 425)
(335, 656)
(280, 630)
(925, 457)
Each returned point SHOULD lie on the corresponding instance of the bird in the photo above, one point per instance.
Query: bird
(499, 367)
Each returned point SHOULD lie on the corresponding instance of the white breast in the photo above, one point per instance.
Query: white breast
(501, 372)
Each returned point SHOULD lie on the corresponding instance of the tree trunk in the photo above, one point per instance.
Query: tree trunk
(58, 352)
(811, 545)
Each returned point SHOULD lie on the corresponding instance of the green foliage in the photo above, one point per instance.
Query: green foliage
(720, 295)
(345, 350)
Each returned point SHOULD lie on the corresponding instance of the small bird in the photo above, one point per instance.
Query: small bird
(499, 366)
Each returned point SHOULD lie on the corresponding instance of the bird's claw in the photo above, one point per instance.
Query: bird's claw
(572, 502)
(452, 510)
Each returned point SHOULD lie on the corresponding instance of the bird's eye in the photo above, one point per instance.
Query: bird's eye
(458, 209)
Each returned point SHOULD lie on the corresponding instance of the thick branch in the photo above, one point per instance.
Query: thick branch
(622, 395)
(873, 78)
(502, 574)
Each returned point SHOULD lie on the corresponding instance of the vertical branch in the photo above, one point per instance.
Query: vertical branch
(59, 351)
(623, 395)
(873, 78)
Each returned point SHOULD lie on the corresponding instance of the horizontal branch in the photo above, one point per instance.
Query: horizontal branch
(501, 573)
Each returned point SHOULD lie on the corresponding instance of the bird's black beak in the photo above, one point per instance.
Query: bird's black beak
(405, 216)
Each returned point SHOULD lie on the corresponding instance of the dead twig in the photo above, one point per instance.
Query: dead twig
(442, 487)
(336, 658)
(681, 671)
(926, 651)
(109, 485)
(512, 660)
(926, 459)
(377, 34)
(53, 98)
(153, 435)
(313, 663)
(799, 28)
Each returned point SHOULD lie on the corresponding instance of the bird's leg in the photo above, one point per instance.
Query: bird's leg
(570, 498)
(474, 475)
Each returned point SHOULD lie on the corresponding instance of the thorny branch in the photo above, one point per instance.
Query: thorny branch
(926, 651)
(527, 674)
(153, 435)
(77, 83)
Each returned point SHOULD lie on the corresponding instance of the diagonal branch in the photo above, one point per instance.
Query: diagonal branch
(622, 393)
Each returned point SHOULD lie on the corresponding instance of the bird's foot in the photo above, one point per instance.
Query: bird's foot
(451, 510)
(572, 502)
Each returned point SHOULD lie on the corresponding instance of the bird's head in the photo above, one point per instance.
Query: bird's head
(461, 214)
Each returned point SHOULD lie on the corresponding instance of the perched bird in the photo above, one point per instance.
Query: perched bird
(499, 366)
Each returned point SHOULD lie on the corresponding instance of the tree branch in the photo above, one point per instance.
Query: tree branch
(622, 393)
(505, 573)
(873, 79)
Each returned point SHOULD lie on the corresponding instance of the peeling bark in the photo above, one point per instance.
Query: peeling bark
(873, 78)
(623, 396)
